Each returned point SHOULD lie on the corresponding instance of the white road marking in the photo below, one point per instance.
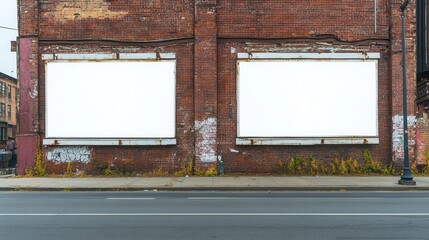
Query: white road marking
(231, 198)
(216, 214)
(289, 198)
(130, 198)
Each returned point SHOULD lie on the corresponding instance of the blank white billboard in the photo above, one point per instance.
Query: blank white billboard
(307, 98)
(110, 99)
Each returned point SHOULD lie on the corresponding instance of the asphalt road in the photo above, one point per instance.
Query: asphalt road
(214, 215)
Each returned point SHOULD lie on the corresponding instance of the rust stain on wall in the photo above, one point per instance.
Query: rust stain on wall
(95, 9)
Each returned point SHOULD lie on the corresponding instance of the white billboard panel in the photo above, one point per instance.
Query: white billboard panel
(307, 98)
(110, 99)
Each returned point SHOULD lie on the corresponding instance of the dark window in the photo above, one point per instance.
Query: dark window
(3, 131)
(9, 112)
(3, 90)
(9, 92)
(2, 109)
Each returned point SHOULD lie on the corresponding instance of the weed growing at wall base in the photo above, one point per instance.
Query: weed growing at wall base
(301, 166)
(158, 172)
(39, 169)
(188, 170)
(425, 168)
(298, 165)
(69, 171)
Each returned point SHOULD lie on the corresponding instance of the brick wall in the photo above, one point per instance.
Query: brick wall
(422, 139)
(347, 20)
(132, 20)
(140, 158)
(265, 158)
(206, 35)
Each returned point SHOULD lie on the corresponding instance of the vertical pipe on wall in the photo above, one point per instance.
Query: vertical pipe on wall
(375, 16)
(421, 39)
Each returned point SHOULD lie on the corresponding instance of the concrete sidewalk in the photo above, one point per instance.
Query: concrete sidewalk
(240, 183)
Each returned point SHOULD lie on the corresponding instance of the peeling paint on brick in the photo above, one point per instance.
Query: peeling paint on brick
(398, 135)
(34, 92)
(173, 157)
(233, 150)
(69, 154)
(205, 148)
(95, 9)
(304, 47)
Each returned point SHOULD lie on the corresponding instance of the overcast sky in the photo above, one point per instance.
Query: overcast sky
(8, 19)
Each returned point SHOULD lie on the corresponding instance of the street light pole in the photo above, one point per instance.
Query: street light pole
(406, 178)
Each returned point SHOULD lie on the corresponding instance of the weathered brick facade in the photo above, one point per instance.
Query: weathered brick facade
(8, 105)
(206, 36)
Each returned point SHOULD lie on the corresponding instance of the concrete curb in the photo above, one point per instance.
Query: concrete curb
(224, 189)
(7, 176)
(246, 183)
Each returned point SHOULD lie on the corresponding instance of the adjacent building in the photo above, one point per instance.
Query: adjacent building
(8, 107)
(149, 84)
(422, 94)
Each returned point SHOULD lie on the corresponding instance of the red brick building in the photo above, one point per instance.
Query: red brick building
(250, 83)
(8, 107)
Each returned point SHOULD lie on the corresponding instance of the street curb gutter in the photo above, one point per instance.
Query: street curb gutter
(208, 189)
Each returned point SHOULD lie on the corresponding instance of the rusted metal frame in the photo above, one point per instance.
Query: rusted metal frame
(373, 56)
(110, 142)
(220, 39)
(108, 56)
(156, 43)
(306, 141)
(318, 38)
(277, 55)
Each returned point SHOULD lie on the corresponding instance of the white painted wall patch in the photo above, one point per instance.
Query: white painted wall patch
(205, 148)
(233, 150)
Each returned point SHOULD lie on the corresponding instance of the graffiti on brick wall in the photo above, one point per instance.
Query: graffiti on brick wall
(69, 154)
(398, 135)
(206, 147)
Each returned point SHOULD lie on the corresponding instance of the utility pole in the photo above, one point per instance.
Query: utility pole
(406, 178)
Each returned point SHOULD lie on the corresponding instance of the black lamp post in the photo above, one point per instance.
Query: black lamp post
(406, 178)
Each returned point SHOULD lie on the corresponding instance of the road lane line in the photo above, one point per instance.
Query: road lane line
(288, 198)
(231, 198)
(130, 198)
(217, 214)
